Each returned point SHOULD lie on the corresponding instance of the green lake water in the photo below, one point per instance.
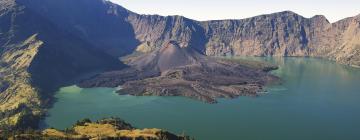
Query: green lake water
(318, 100)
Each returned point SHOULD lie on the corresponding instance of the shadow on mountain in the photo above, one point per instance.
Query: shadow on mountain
(100, 23)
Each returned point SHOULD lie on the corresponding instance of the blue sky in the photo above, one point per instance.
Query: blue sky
(236, 9)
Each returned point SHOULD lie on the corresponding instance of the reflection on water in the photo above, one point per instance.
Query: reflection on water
(318, 100)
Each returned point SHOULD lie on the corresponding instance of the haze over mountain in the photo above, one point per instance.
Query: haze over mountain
(45, 44)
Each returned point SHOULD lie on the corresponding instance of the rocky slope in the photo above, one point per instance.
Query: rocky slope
(341, 41)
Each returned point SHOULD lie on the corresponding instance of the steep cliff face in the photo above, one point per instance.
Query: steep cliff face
(118, 31)
(343, 41)
(278, 34)
(153, 31)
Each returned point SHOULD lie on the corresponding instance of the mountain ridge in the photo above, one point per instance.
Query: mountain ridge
(278, 34)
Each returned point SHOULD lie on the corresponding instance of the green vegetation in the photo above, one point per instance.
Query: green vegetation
(19, 99)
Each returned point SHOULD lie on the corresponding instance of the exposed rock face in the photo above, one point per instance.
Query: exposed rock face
(175, 71)
(117, 31)
(278, 34)
(157, 30)
(341, 41)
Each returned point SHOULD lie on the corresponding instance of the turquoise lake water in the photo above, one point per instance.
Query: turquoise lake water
(318, 100)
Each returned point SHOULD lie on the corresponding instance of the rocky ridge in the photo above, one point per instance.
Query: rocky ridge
(117, 31)
(278, 34)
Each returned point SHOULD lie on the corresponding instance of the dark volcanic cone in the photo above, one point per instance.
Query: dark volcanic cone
(175, 71)
(168, 57)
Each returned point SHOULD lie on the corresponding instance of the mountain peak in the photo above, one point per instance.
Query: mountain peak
(320, 18)
(288, 12)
